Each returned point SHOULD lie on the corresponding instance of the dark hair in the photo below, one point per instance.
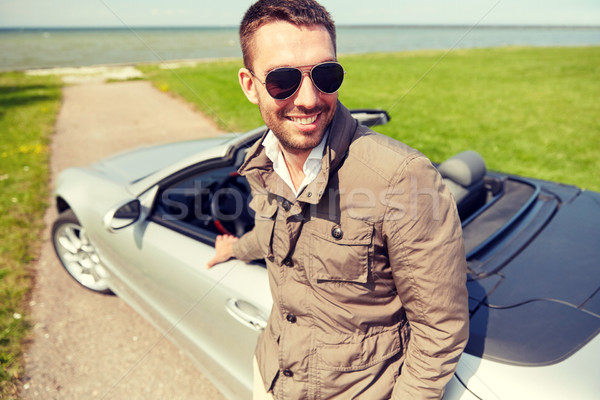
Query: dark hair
(297, 12)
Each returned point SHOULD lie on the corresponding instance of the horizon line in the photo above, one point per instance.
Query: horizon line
(423, 25)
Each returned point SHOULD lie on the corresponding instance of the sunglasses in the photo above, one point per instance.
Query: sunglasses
(283, 83)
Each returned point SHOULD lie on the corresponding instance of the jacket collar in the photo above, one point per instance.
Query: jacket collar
(258, 168)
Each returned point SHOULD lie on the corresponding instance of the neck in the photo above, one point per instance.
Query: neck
(294, 160)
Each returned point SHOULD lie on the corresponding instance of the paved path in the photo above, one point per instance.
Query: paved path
(86, 345)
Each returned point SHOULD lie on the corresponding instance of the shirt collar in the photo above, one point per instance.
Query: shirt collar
(272, 149)
(311, 167)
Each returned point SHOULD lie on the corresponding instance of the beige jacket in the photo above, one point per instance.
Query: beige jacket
(367, 272)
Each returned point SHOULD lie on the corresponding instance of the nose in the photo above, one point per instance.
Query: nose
(307, 94)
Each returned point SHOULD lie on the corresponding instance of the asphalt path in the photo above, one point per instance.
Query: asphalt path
(90, 346)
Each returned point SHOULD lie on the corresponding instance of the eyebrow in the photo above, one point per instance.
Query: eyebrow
(269, 69)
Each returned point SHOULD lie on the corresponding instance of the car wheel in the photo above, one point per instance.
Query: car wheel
(77, 254)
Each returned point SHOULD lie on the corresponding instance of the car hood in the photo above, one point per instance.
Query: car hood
(133, 165)
(544, 304)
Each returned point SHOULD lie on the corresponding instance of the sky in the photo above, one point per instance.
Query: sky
(131, 13)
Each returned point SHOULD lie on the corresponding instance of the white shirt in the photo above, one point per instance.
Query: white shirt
(311, 168)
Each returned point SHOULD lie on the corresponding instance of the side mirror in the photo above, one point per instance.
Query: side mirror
(123, 215)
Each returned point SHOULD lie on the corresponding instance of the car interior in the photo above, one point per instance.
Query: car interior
(464, 175)
(207, 204)
(210, 201)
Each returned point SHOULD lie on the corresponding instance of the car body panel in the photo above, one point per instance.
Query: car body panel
(222, 151)
(573, 378)
(187, 300)
(563, 271)
(134, 165)
(535, 270)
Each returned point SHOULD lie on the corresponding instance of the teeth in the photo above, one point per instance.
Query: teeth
(304, 121)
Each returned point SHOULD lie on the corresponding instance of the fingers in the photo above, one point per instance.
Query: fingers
(224, 250)
(211, 263)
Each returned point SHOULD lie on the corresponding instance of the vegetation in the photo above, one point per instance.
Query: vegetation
(529, 111)
(213, 88)
(28, 108)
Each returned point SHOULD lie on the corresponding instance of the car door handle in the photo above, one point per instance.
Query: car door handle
(247, 314)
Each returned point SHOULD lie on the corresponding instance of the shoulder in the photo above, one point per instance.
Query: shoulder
(382, 155)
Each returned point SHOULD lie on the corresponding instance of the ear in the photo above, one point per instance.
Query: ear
(248, 86)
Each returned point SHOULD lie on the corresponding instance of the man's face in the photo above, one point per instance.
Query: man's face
(300, 121)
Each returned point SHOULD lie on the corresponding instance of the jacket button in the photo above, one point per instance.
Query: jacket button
(288, 262)
(291, 318)
(286, 205)
(288, 373)
(337, 233)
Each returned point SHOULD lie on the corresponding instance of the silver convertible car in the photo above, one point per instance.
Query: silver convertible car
(143, 224)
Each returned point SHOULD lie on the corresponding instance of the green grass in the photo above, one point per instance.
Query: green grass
(213, 88)
(28, 108)
(529, 111)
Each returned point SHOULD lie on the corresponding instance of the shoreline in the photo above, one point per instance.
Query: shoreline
(109, 68)
(60, 69)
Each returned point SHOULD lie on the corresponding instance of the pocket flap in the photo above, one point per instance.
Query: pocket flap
(263, 205)
(363, 353)
(353, 232)
(340, 252)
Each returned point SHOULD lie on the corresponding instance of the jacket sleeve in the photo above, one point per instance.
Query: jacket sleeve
(255, 244)
(426, 252)
(248, 248)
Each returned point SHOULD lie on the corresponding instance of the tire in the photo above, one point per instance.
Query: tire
(77, 254)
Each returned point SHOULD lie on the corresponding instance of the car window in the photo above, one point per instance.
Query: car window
(206, 204)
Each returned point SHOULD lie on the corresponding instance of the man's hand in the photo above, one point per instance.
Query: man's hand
(224, 248)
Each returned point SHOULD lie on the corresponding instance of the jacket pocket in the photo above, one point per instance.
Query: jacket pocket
(361, 353)
(340, 252)
(264, 205)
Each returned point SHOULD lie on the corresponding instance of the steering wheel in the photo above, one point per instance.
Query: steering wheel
(229, 206)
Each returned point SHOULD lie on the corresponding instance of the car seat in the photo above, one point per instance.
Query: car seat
(463, 174)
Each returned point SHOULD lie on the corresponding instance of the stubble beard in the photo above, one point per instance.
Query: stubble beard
(293, 140)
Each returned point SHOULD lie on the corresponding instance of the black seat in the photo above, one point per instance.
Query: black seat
(463, 174)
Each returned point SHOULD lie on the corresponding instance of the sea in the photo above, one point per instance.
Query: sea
(33, 48)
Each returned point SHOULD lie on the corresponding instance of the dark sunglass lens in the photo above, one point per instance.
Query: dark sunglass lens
(328, 77)
(282, 83)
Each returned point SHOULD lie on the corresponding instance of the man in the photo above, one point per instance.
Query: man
(362, 241)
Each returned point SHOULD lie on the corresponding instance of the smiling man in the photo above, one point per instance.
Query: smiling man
(297, 114)
(361, 238)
